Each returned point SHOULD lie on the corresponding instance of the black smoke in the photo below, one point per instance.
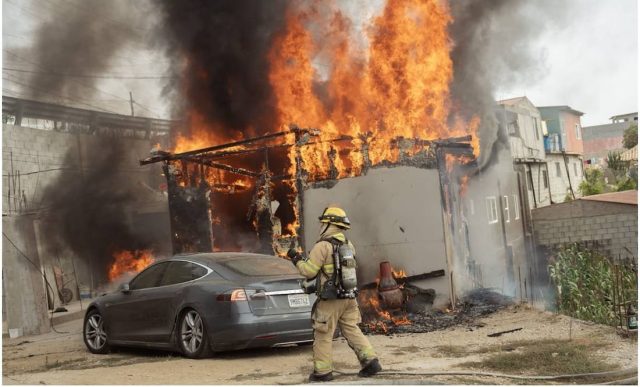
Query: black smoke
(87, 208)
(226, 46)
(88, 205)
(494, 48)
(78, 38)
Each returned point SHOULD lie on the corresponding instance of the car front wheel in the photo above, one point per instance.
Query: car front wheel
(95, 336)
(192, 339)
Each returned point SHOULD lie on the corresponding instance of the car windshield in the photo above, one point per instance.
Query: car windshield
(260, 266)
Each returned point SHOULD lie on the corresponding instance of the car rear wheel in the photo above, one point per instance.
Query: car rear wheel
(193, 339)
(95, 336)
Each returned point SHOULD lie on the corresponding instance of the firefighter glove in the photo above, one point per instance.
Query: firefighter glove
(294, 256)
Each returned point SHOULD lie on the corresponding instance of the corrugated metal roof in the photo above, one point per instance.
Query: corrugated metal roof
(624, 197)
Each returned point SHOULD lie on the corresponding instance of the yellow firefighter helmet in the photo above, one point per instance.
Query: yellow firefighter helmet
(335, 215)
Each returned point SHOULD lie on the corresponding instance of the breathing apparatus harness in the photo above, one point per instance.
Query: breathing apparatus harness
(343, 283)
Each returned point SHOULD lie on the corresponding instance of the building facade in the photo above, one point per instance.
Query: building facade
(599, 140)
(526, 130)
(42, 143)
(564, 149)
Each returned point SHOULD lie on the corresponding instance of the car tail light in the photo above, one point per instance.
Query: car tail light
(235, 295)
(238, 295)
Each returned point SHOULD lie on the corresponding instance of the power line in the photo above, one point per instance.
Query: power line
(106, 76)
(78, 82)
(41, 90)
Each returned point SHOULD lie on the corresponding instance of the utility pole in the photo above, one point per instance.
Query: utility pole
(131, 102)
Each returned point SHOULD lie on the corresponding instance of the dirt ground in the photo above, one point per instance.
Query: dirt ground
(61, 358)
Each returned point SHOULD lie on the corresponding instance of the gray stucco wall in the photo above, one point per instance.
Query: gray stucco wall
(22, 282)
(496, 242)
(610, 227)
(396, 216)
(34, 158)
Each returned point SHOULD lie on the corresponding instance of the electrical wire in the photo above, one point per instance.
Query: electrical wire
(78, 82)
(42, 90)
(53, 298)
(105, 76)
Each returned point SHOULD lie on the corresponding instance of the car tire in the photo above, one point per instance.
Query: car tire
(94, 334)
(192, 335)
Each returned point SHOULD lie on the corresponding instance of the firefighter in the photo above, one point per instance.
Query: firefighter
(336, 289)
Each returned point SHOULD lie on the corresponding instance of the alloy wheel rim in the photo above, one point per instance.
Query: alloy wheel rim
(95, 334)
(192, 331)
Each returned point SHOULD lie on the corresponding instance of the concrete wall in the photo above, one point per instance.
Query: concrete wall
(23, 285)
(496, 237)
(396, 216)
(538, 187)
(600, 139)
(34, 158)
(558, 179)
(610, 227)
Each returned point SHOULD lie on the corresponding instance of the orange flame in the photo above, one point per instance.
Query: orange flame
(378, 319)
(126, 261)
(399, 274)
(396, 85)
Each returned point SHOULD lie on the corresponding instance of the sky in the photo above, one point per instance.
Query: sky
(589, 61)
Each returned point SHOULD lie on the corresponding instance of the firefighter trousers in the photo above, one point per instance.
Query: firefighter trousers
(327, 315)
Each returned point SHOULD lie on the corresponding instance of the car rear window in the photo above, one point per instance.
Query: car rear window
(260, 266)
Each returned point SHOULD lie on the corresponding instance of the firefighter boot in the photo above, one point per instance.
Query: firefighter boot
(371, 368)
(321, 377)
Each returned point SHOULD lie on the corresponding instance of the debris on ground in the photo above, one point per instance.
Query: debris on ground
(477, 303)
(498, 334)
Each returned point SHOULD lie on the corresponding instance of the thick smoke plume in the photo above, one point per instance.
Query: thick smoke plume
(78, 37)
(87, 208)
(220, 51)
(493, 47)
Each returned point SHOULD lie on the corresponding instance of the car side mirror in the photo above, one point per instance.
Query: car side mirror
(124, 288)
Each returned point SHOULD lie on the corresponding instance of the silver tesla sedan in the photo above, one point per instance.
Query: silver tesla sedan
(204, 302)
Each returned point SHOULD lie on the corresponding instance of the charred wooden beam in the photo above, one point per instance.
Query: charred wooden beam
(190, 214)
(197, 152)
(219, 155)
(236, 170)
(450, 140)
(408, 279)
(260, 213)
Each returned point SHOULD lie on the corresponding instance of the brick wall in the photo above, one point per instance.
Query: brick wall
(609, 227)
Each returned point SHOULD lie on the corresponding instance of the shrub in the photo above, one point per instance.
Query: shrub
(593, 182)
(584, 281)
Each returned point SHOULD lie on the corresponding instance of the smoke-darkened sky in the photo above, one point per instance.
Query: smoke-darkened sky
(586, 58)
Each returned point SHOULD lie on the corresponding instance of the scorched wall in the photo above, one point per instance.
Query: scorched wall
(396, 216)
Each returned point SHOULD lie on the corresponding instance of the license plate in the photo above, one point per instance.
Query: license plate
(298, 300)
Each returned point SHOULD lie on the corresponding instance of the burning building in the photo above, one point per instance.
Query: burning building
(385, 109)
(316, 111)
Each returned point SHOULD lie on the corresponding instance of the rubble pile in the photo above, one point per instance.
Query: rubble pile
(476, 304)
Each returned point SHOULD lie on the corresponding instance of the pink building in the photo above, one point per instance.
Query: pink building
(599, 140)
